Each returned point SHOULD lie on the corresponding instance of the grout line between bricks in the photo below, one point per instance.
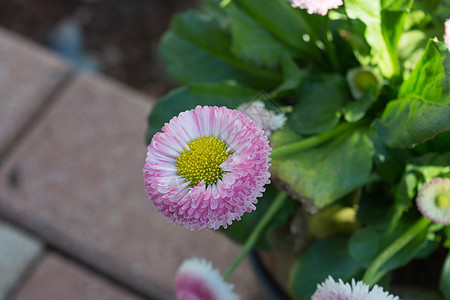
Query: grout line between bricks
(40, 113)
(99, 273)
(48, 247)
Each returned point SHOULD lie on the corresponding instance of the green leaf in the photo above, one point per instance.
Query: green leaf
(411, 47)
(239, 231)
(251, 42)
(406, 189)
(319, 105)
(432, 159)
(326, 173)
(197, 50)
(356, 110)
(412, 120)
(396, 5)
(392, 25)
(220, 94)
(285, 22)
(324, 258)
(390, 162)
(416, 175)
(366, 244)
(293, 77)
(430, 79)
(369, 12)
(423, 108)
(285, 136)
(444, 284)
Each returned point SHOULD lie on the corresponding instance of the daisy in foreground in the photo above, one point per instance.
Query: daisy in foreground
(197, 280)
(433, 200)
(207, 167)
(320, 7)
(332, 290)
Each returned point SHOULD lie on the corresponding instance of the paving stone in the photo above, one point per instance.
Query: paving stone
(28, 74)
(80, 186)
(18, 251)
(58, 278)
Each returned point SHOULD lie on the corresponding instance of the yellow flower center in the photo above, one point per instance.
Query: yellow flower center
(202, 161)
(442, 201)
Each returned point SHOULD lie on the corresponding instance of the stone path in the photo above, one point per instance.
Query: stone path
(75, 222)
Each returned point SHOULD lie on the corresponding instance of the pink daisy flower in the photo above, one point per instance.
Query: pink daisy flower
(207, 167)
(433, 200)
(332, 290)
(196, 279)
(320, 7)
(447, 33)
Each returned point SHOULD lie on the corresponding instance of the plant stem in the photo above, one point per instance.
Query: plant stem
(372, 274)
(395, 219)
(253, 238)
(311, 141)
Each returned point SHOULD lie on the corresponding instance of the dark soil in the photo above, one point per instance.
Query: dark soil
(122, 35)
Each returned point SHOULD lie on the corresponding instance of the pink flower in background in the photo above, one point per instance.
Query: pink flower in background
(197, 280)
(332, 290)
(447, 33)
(320, 7)
(266, 119)
(433, 200)
(207, 167)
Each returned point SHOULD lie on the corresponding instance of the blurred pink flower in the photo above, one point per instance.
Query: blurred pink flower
(197, 280)
(266, 119)
(320, 7)
(207, 167)
(433, 200)
(332, 290)
(447, 33)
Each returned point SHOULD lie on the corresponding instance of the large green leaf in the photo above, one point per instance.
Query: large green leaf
(392, 27)
(251, 42)
(411, 47)
(423, 108)
(328, 172)
(430, 79)
(220, 94)
(384, 20)
(324, 258)
(197, 50)
(369, 12)
(319, 105)
(412, 120)
(293, 27)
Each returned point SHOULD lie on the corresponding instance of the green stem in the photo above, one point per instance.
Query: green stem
(395, 219)
(372, 274)
(254, 236)
(311, 141)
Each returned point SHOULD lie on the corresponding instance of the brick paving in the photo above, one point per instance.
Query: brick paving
(28, 75)
(73, 179)
(58, 278)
